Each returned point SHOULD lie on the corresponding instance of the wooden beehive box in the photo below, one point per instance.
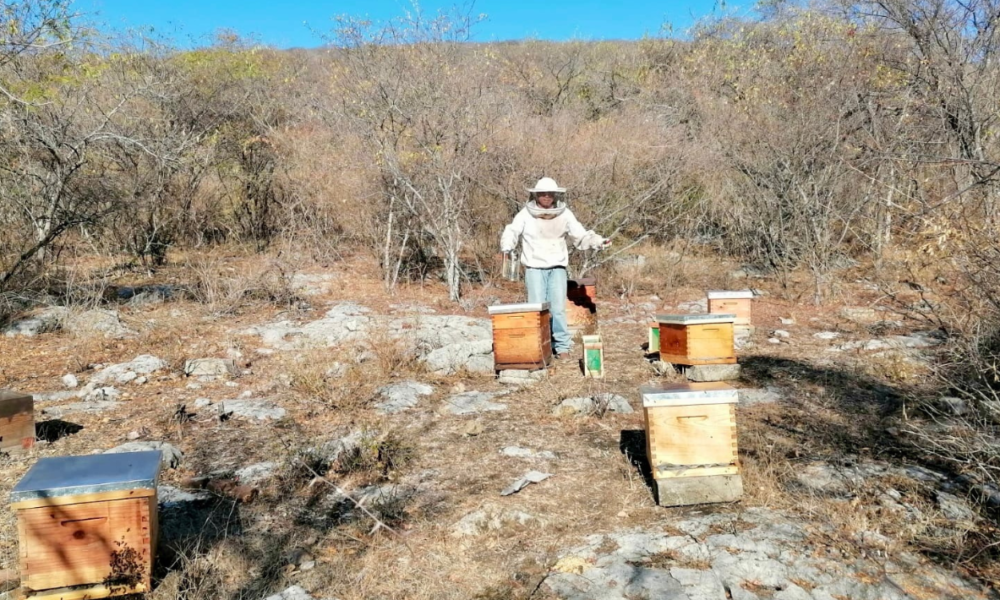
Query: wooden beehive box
(522, 335)
(581, 304)
(17, 421)
(87, 525)
(593, 356)
(738, 303)
(696, 339)
(691, 442)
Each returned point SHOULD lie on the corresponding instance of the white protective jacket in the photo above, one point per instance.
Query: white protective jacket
(543, 234)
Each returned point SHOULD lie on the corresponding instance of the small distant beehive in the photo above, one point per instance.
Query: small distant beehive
(593, 356)
(696, 339)
(653, 345)
(87, 525)
(691, 442)
(522, 336)
(738, 303)
(17, 421)
(581, 304)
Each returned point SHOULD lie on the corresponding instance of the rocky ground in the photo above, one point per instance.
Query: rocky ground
(353, 445)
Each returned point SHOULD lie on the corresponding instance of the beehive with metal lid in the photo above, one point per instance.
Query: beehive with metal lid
(691, 435)
(735, 302)
(697, 339)
(87, 525)
(522, 335)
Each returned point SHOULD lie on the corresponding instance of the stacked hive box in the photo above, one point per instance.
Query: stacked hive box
(87, 525)
(522, 336)
(581, 304)
(736, 303)
(696, 339)
(691, 442)
(17, 421)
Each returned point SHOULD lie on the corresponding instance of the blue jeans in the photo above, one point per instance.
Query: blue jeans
(549, 285)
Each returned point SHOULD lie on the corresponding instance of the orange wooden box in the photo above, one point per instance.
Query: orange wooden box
(581, 304)
(738, 303)
(690, 429)
(696, 339)
(522, 336)
(87, 525)
(17, 421)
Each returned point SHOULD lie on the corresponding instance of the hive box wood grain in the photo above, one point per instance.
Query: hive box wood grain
(696, 339)
(738, 303)
(691, 442)
(87, 525)
(522, 336)
(581, 304)
(17, 421)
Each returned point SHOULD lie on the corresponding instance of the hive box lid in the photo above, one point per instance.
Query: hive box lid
(15, 403)
(686, 394)
(729, 295)
(503, 309)
(695, 319)
(76, 475)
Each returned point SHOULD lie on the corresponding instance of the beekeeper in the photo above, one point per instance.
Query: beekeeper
(542, 227)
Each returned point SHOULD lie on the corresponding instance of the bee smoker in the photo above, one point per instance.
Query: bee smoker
(511, 268)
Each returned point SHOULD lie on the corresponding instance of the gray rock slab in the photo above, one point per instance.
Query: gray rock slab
(525, 480)
(50, 319)
(826, 335)
(145, 364)
(70, 381)
(593, 405)
(170, 455)
(471, 356)
(86, 407)
(694, 306)
(955, 508)
(211, 367)
(57, 396)
(518, 452)
(712, 372)
(256, 473)
(296, 592)
(170, 496)
(470, 403)
(521, 377)
(491, 519)
(398, 397)
(688, 491)
(768, 395)
(97, 321)
(252, 410)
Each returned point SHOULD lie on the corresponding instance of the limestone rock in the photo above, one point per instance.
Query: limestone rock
(522, 377)
(170, 456)
(50, 319)
(713, 372)
(398, 397)
(469, 403)
(211, 367)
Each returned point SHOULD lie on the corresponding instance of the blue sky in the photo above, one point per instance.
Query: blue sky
(289, 24)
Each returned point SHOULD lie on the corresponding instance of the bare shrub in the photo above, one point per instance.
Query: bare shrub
(230, 289)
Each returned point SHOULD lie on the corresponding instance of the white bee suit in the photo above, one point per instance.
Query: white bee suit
(543, 234)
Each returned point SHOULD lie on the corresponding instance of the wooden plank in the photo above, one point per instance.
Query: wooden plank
(684, 359)
(710, 331)
(673, 339)
(695, 472)
(83, 498)
(695, 435)
(710, 349)
(86, 593)
(74, 544)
